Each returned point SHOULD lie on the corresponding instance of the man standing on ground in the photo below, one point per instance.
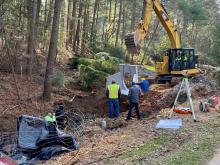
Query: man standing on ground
(134, 97)
(113, 94)
(144, 85)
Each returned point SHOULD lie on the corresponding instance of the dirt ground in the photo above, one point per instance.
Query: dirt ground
(96, 144)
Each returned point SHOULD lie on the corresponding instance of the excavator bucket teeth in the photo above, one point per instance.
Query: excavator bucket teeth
(130, 43)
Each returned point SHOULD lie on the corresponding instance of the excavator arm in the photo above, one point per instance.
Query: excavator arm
(133, 40)
(168, 25)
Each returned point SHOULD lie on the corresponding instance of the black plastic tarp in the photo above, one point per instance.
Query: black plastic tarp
(37, 141)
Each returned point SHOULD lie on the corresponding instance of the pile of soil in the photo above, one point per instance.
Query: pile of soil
(200, 85)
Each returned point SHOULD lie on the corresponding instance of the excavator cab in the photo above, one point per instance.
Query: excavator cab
(177, 61)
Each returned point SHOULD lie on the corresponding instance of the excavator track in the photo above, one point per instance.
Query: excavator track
(130, 43)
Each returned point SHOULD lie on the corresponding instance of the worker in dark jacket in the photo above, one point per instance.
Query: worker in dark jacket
(50, 118)
(60, 115)
(144, 85)
(134, 97)
(113, 94)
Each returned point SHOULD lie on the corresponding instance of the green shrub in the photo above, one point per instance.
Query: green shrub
(68, 80)
(75, 62)
(102, 56)
(88, 76)
(106, 56)
(106, 66)
(116, 52)
(58, 78)
(102, 62)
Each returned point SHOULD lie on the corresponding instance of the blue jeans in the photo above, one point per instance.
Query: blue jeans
(113, 108)
(131, 106)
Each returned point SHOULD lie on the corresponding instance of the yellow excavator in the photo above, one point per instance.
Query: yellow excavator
(177, 61)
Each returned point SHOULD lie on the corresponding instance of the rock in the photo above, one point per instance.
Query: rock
(115, 123)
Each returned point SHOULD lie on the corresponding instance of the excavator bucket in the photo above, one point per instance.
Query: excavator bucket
(130, 42)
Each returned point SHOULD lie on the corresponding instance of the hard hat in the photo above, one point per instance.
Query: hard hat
(113, 81)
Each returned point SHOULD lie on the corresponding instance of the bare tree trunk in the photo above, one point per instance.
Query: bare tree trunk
(119, 23)
(105, 21)
(45, 12)
(97, 14)
(47, 23)
(85, 32)
(72, 24)
(31, 43)
(77, 36)
(52, 52)
(38, 13)
(49, 15)
(10, 58)
(37, 19)
(68, 23)
(115, 11)
(13, 72)
(31, 37)
(21, 17)
(92, 35)
(62, 36)
(110, 10)
(133, 15)
(20, 14)
(123, 25)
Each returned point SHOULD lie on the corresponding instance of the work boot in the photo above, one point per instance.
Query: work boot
(127, 119)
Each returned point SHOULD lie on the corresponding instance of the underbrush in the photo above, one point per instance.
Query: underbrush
(95, 69)
(88, 76)
(60, 80)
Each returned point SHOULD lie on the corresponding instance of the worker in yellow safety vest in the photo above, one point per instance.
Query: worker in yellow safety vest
(113, 93)
(51, 124)
(50, 118)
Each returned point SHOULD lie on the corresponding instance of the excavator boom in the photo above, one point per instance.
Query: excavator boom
(168, 25)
